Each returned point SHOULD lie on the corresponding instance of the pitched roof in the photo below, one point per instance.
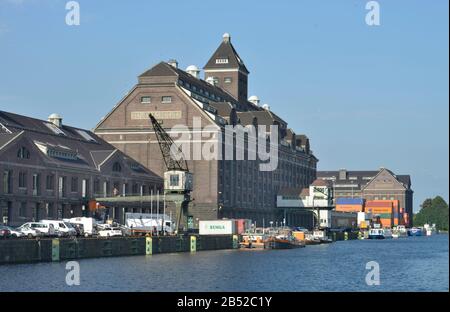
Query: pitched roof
(360, 178)
(224, 109)
(226, 51)
(69, 146)
(160, 69)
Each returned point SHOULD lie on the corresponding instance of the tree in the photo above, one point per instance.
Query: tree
(433, 211)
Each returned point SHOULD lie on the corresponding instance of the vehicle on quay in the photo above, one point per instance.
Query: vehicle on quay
(14, 232)
(86, 226)
(4, 232)
(110, 232)
(380, 233)
(61, 228)
(29, 232)
(43, 228)
(144, 223)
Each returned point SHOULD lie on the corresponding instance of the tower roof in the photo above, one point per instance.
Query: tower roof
(226, 57)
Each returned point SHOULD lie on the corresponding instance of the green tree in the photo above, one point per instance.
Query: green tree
(433, 211)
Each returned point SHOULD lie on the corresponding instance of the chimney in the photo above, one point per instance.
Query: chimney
(254, 99)
(266, 107)
(226, 37)
(193, 71)
(211, 80)
(342, 174)
(173, 63)
(55, 119)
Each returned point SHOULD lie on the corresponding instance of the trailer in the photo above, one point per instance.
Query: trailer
(146, 223)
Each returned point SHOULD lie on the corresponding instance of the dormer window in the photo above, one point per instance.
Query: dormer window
(222, 61)
(23, 153)
(146, 99)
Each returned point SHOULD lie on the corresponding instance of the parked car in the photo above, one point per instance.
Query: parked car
(27, 231)
(110, 232)
(15, 232)
(4, 232)
(62, 228)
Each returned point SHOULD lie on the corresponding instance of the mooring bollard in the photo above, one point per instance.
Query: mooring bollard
(55, 249)
(193, 243)
(148, 246)
(235, 242)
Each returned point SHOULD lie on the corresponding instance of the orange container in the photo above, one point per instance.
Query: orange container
(349, 208)
(386, 222)
(299, 235)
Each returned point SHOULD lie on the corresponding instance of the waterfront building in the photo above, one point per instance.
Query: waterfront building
(222, 188)
(381, 185)
(53, 171)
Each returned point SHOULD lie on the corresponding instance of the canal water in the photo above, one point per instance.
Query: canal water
(407, 264)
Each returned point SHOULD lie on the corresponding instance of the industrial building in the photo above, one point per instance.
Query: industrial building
(222, 188)
(353, 190)
(54, 171)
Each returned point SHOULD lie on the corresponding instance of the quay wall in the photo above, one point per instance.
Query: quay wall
(46, 250)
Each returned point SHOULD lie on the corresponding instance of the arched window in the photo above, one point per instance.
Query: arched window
(23, 153)
(117, 167)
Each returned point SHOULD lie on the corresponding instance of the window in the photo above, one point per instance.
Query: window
(146, 99)
(7, 182)
(97, 186)
(166, 99)
(227, 80)
(50, 182)
(23, 209)
(36, 184)
(86, 136)
(117, 167)
(174, 180)
(74, 185)
(54, 129)
(222, 61)
(23, 153)
(22, 179)
(62, 186)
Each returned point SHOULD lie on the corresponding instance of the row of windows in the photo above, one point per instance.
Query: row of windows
(104, 188)
(148, 99)
(199, 90)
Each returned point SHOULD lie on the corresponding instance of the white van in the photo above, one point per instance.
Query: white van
(43, 228)
(61, 227)
(87, 223)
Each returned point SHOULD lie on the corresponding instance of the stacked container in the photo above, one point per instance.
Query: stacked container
(346, 204)
(382, 208)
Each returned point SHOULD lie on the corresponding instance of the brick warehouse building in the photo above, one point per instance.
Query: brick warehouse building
(222, 188)
(52, 171)
(372, 185)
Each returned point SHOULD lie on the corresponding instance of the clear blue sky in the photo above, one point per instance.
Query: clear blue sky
(366, 96)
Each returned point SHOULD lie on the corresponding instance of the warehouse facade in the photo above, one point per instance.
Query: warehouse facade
(381, 185)
(222, 188)
(53, 171)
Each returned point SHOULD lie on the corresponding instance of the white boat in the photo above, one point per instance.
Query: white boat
(380, 233)
(429, 229)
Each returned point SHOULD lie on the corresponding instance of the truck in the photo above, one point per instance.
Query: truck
(88, 225)
(145, 223)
